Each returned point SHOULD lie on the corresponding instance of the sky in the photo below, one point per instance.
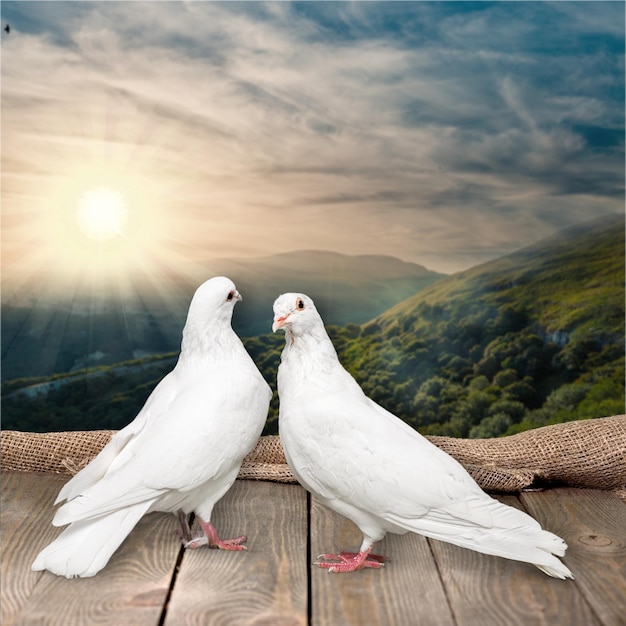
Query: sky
(141, 138)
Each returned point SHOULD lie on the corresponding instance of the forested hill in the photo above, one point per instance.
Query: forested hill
(533, 338)
(571, 282)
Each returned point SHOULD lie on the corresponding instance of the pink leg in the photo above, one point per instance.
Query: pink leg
(347, 556)
(350, 561)
(211, 538)
(208, 536)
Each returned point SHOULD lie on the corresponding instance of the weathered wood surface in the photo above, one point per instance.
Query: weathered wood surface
(152, 581)
(595, 530)
(408, 585)
(492, 591)
(267, 584)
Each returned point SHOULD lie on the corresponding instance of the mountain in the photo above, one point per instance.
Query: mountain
(533, 338)
(346, 289)
(572, 282)
(80, 330)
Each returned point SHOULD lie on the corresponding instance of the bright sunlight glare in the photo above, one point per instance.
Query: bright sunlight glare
(102, 213)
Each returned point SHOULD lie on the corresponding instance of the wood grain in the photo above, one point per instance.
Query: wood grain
(424, 581)
(267, 584)
(488, 590)
(26, 513)
(406, 591)
(593, 523)
(131, 589)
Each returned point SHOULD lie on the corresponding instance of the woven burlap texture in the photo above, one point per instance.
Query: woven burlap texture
(586, 453)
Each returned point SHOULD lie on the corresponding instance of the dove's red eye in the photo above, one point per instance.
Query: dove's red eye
(300, 303)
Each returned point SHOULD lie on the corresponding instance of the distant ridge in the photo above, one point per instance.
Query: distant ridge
(346, 289)
(80, 331)
(349, 267)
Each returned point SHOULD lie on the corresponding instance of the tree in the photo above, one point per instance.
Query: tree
(492, 426)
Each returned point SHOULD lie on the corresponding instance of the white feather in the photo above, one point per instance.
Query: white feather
(85, 547)
(182, 451)
(370, 466)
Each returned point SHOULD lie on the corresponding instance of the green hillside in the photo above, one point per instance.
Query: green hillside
(533, 338)
(573, 282)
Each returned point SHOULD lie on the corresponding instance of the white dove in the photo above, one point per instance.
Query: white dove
(180, 454)
(368, 465)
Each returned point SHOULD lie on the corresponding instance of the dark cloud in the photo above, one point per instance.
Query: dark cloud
(600, 137)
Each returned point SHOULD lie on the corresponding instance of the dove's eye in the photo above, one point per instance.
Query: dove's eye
(230, 295)
(300, 303)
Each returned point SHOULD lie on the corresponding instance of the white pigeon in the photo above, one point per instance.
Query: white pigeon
(368, 465)
(180, 454)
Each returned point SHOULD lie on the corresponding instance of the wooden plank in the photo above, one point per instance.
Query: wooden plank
(130, 590)
(593, 523)
(26, 513)
(486, 590)
(406, 591)
(267, 584)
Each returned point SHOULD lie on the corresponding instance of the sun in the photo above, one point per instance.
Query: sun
(97, 230)
(102, 213)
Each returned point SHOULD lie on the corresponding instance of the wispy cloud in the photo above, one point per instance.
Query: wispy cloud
(443, 133)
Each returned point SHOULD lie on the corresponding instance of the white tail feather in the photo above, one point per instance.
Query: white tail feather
(556, 571)
(538, 547)
(85, 547)
(529, 543)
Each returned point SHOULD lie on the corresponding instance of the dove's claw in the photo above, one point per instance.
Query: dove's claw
(207, 537)
(349, 561)
(229, 544)
(370, 557)
(200, 539)
(348, 556)
(213, 540)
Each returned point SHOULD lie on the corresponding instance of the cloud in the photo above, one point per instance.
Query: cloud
(359, 127)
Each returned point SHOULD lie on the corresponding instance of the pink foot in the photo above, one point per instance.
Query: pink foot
(350, 561)
(210, 537)
(348, 556)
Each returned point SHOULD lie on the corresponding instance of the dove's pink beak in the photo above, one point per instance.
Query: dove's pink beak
(279, 322)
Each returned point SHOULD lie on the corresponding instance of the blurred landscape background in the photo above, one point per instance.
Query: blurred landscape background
(532, 338)
(444, 179)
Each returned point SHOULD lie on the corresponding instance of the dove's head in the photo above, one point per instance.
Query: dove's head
(213, 302)
(295, 312)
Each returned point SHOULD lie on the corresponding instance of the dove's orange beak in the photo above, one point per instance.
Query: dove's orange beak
(279, 322)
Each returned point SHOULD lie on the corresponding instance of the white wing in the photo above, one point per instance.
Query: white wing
(98, 467)
(384, 470)
(374, 461)
(196, 419)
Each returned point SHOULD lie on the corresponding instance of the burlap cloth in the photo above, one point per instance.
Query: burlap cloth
(587, 453)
